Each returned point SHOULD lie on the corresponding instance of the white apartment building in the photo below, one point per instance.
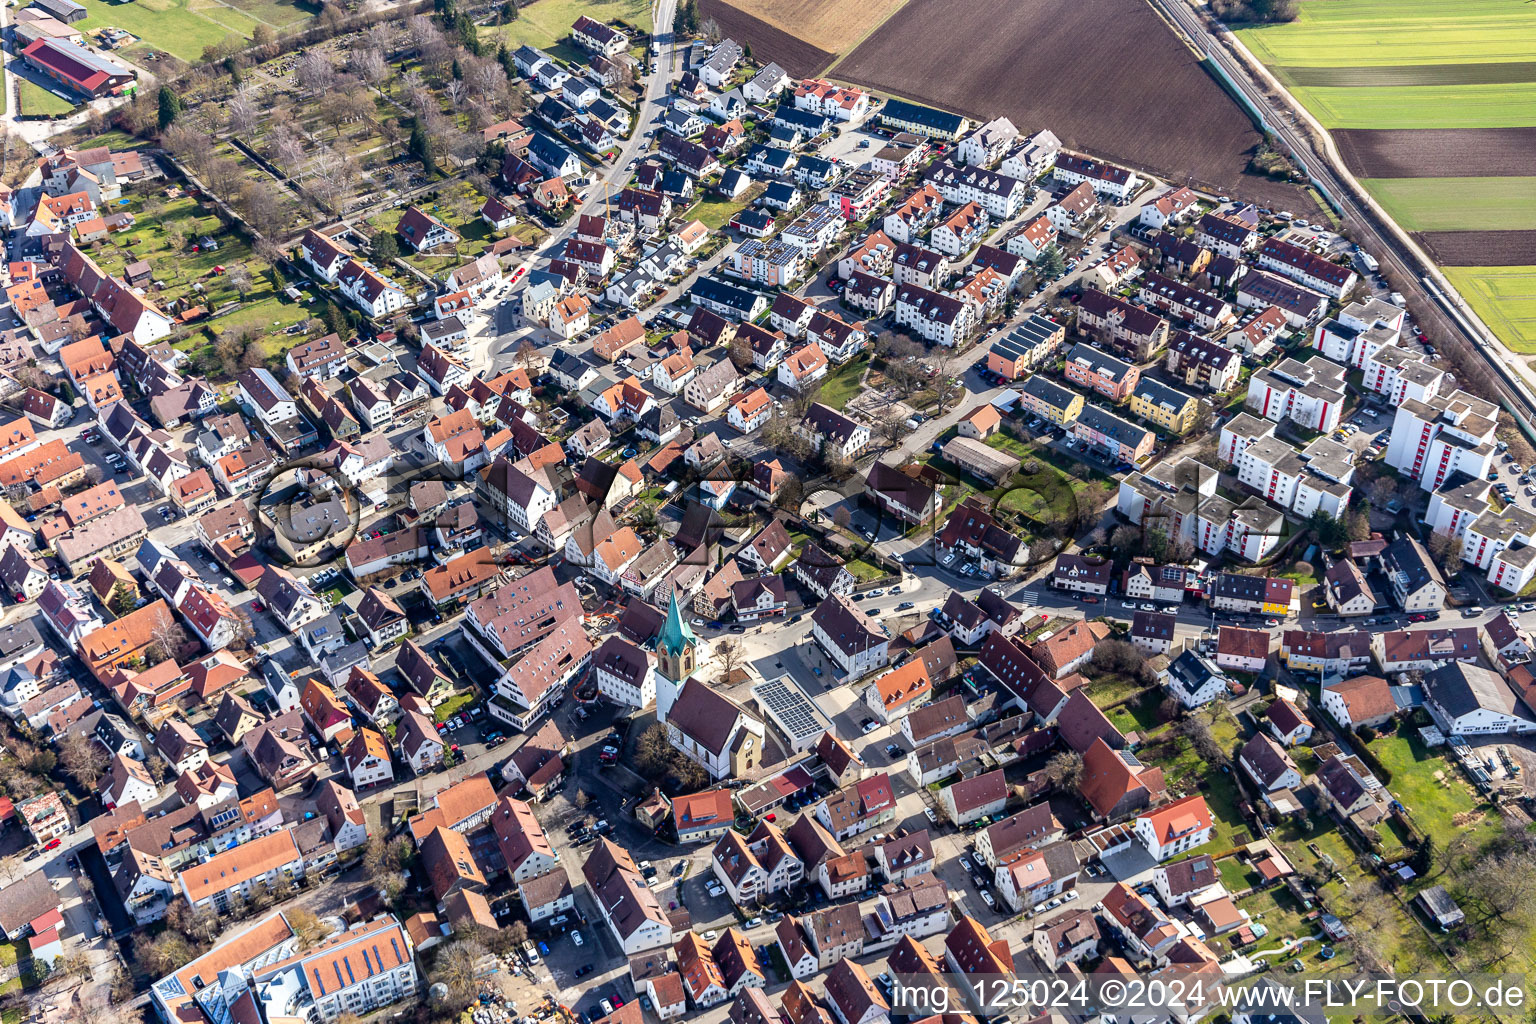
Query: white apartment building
(1501, 544)
(1310, 393)
(1442, 435)
(1360, 329)
(934, 316)
(1453, 509)
(1181, 501)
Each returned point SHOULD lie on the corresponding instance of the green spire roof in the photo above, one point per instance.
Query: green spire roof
(676, 633)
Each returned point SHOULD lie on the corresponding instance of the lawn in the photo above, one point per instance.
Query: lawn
(1505, 297)
(546, 22)
(839, 386)
(865, 570)
(715, 211)
(453, 705)
(1235, 875)
(1139, 716)
(37, 101)
(1458, 204)
(1380, 33)
(1047, 496)
(184, 28)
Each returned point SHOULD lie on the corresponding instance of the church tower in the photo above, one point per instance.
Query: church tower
(676, 658)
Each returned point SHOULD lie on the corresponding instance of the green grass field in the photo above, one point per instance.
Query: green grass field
(1424, 106)
(544, 23)
(35, 100)
(1505, 297)
(1426, 64)
(184, 27)
(842, 383)
(1434, 790)
(1458, 204)
(1380, 33)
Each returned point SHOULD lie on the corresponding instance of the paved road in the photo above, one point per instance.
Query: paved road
(1381, 236)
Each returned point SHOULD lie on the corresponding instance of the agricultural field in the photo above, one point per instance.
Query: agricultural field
(545, 23)
(806, 37)
(1438, 153)
(183, 28)
(1483, 105)
(1505, 297)
(1481, 248)
(1433, 104)
(1384, 33)
(983, 58)
(1458, 204)
(794, 53)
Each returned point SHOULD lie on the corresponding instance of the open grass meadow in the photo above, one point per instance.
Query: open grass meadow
(183, 28)
(545, 23)
(1458, 204)
(1505, 298)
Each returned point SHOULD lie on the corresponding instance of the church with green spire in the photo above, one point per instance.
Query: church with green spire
(677, 647)
(677, 658)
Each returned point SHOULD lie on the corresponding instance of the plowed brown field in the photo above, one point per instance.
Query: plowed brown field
(1439, 153)
(768, 43)
(835, 26)
(1480, 248)
(1107, 76)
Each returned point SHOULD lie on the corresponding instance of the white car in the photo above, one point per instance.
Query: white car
(711, 935)
(986, 898)
(933, 819)
(577, 939)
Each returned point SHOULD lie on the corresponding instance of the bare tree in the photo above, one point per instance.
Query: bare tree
(729, 654)
(223, 175)
(306, 926)
(242, 111)
(489, 80)
(166, 638)
(290, 153)
(456, 969)
(456, 90)
(314, 73)
(240, 279)
(263, 211)
(1065, 770)
(370, 66)
(84, 758)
